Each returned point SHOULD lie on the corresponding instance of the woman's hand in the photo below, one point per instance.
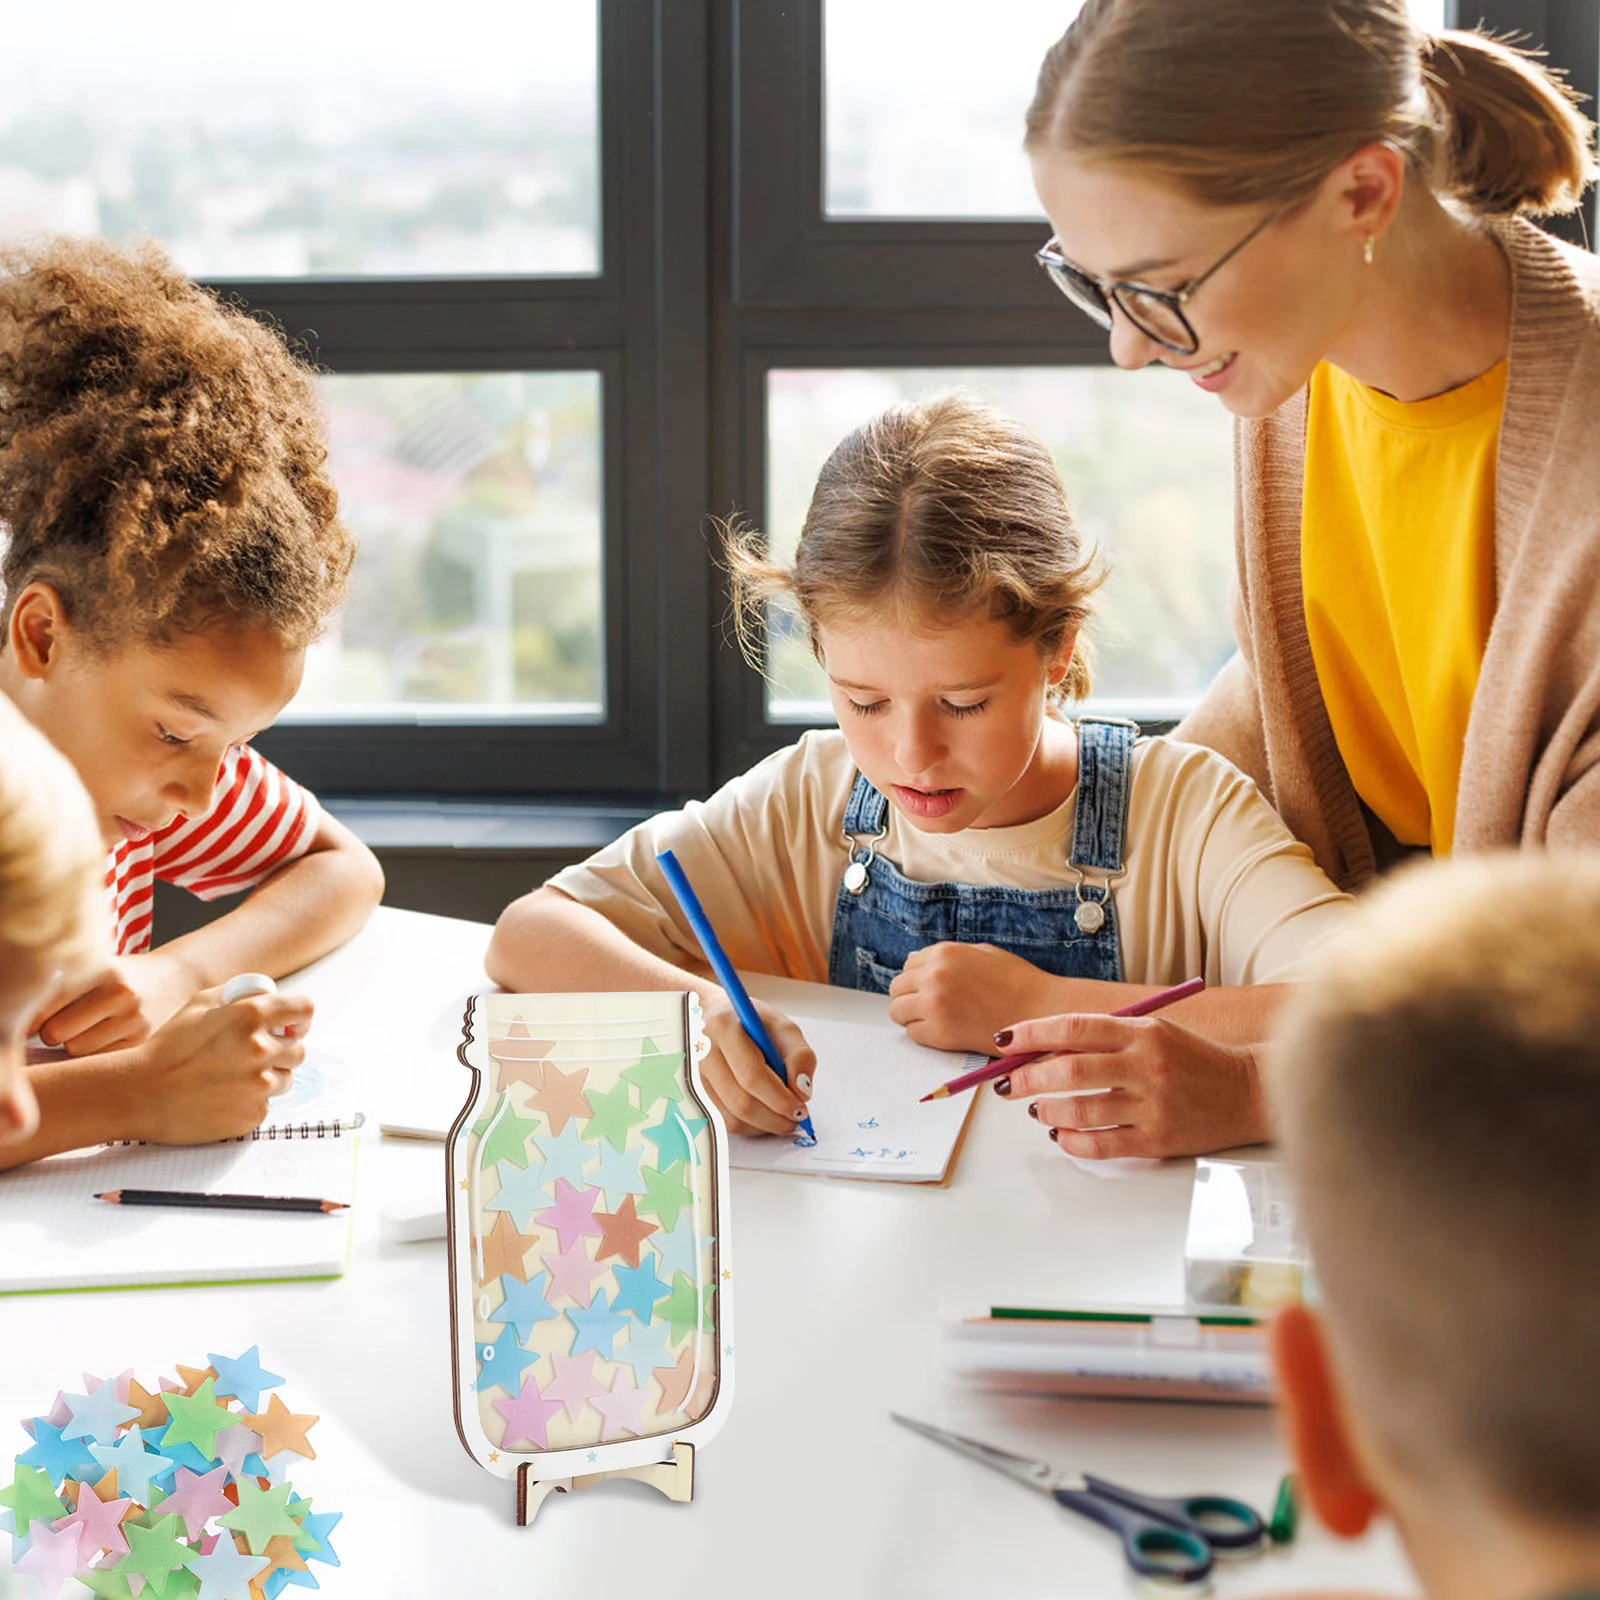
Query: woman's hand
(209, 1073)
(737, 1077)
(1139, 1086)
(954, 996)
(122, 1005)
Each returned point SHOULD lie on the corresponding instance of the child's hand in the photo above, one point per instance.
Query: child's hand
(737, 1077)
(957, 996)
(1165, 1091)
(209, 1073)
(123, 1005)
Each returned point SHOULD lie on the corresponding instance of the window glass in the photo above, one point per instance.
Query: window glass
(1147, 462)
(311, 139)
(476, 501)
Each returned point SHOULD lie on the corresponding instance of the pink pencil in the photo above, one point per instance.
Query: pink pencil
(998, 1069)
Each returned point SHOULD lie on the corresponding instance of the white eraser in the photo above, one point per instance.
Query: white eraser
(247, 983)
(406, 1222)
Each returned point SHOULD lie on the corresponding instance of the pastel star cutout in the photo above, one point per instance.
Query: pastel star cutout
(503, 1135)
(680, 1247)
(55, 1455)
(97, 1416)
(574, 1383)
(669, 1194)
(53, 1557)
(100, 1522)
(572, 1215)
(193, 1377)
(197, 1499)
(560, 1095)
(503, 1362)
(234, 1444)
(197, 1419)
(674, 1136)
(527, 1416)
(298, 1509)
(565, 1155)
(285, 1558)
(656, 1076)
(646, 1349)
(688, 1307)
(182, 1454)
(676, 1380)
(638, 1289)
(617, 1173)
(282, 1429)
(622, 1232)
(225, 1574)
(519, 1056)
(153, 1552)
(135, 1465)
(504, 1251)
(152, 1408)
(595, 1327)
(520, 1193)
(523, 1305)
(261, 1514)
(243, 1377)
(572, 1274)
(622, 1407)
(614, 1115)
(320, 1526)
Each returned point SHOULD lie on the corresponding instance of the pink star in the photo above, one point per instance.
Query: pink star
(621, 1408)
(198, 1499)
(526, 1416)
(52, 1557)
(572, 1216)
(573, 1273)
(234, 1444)
(100, 1522)
(574, 1382)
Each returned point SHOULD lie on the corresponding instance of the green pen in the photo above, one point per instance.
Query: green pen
(1285, 1513)
(1237, 1319)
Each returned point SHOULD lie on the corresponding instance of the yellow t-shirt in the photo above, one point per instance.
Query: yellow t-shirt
(1397, 569)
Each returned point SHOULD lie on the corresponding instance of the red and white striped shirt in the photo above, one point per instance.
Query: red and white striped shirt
(258, 821)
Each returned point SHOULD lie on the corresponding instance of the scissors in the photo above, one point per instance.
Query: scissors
(1170, 1539)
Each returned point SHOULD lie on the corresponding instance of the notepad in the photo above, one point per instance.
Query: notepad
(867, 1112)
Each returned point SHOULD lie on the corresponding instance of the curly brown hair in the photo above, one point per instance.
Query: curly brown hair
(161, 456)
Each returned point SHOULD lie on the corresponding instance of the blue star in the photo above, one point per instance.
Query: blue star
(519, 1192)
(96, 1416)
(253, 1466)
(646, 1350)
(135, 1465)
(596, 1328)
(565, 1155)
(680, 1249)
(674, 1136)
(320, 1527)
(638, 1288)
(594, 1455)
(617, 1174)
(186, 1454)
(277, 1582)
(243, 1377)
(502, 1362)
(524, 1304)
(56, 1457)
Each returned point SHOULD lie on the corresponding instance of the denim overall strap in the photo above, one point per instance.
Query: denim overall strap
(1100, 818)
(866, 810)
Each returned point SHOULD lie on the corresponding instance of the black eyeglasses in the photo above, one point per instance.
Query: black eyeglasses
(1156, 313)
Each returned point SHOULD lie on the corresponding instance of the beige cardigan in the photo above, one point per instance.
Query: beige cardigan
(1529, 765)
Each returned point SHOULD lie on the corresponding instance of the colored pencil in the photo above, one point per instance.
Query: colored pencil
(732, 985)
(219, 1202)
(1005, 1064)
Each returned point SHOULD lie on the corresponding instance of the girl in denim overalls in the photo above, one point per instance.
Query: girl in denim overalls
(958, 844)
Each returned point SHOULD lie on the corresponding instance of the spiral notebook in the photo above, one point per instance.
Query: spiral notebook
(55, 1235)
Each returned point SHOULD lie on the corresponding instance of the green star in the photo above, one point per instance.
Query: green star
(31, 1496)
(613, 1116)
(656, 1076)
(111, 1585)
(306, 1542)
(261, 1514)
(154, 1553)
(668, 1194)
(509, 1139)
(674, 1136)
(686, 1307)
(197, 1419)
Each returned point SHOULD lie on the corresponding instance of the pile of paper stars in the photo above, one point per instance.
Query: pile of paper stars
(171, 1493)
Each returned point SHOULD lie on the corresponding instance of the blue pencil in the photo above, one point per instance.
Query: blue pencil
(735, 990)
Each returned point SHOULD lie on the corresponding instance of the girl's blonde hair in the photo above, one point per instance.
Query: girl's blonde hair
(1255, 102)
(945, 507)
(52, 859)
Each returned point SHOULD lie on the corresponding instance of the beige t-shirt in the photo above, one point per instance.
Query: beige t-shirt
(1215, 883)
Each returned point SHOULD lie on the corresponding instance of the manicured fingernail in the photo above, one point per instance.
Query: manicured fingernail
(1003, 1038)
(802, 1082)
(1055, 1136)
(798, 1113)
(1002, 1086)
(1033, 1110)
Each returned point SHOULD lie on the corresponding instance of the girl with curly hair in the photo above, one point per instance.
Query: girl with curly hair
(173, 546)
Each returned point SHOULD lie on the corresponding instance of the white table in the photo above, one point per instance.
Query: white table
(809, 1490)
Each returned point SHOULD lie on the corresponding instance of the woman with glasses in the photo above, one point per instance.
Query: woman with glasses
(1318, 212)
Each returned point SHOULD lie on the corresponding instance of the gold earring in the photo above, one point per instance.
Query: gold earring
(1366, 249)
